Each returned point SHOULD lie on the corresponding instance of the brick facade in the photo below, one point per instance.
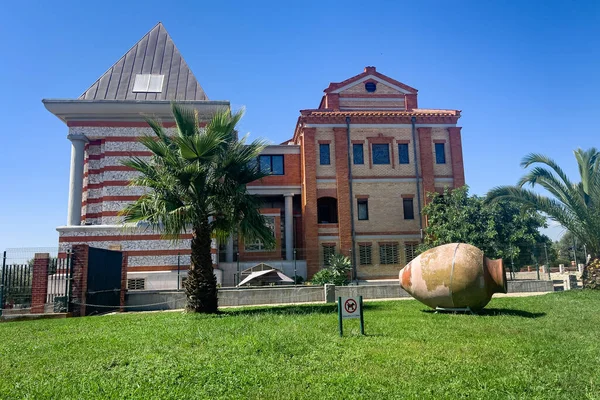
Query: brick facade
(381, 112)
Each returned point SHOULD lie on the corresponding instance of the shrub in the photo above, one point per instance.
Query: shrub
(335, 273)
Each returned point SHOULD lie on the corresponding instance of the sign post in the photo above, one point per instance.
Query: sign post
(350, 307)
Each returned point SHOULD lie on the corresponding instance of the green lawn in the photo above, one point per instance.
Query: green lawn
(536, 347)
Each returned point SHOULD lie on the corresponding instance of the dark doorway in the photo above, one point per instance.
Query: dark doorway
(327, 210)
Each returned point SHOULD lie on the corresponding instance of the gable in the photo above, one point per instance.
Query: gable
(153, 69)
(382, 87)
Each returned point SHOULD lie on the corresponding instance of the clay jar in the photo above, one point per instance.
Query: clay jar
(455, 275)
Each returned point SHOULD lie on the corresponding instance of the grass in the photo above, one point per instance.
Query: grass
(540, 347)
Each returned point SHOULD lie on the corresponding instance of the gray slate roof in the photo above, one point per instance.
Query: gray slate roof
(155, 53)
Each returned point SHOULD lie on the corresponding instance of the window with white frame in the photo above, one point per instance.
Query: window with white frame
(258, 244)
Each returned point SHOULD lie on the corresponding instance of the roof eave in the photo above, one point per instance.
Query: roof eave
(125, 110)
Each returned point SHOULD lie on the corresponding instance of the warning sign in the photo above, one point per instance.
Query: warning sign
(350, 307)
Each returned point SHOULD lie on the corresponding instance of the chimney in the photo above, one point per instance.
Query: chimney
(369, 69)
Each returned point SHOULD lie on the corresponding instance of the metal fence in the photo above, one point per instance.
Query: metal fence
(17, 279)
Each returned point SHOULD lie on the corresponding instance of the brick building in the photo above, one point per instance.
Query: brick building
(352, 179)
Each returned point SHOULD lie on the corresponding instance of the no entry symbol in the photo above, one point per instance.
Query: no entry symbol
(350, 306)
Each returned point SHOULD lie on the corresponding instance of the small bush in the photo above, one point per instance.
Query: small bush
(335, 273)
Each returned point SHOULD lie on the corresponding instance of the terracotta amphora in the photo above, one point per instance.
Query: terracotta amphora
(455, 275)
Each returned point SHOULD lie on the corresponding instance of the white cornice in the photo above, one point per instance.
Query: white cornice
(312, 125)
(125, 110)
(281, 149)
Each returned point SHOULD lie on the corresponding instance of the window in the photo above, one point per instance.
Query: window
(440, 154)
(363, 209)
(358, 153)
(328, 251)
(364, 253)
(258, 245)
(324, 154)
(327, 210)
(409, 251)
(407, 205)
(388, 253)
(136, 284)
(381, 153)
(147, 83)
(272, 165)
(370, 87)
(403, 153)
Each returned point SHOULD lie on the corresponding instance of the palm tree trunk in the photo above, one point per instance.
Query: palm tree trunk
(201, 284)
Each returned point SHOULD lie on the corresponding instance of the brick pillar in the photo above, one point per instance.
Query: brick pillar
(426, 156)
(410, 101)
(426, 162)
(343, 190)
(39, 282)
(309, 200)
(458, 169)
(79, 266)
(123, 279)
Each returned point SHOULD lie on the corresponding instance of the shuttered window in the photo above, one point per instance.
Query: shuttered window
(388, 253)
(328, 251)
(364, 252)
(409, 251)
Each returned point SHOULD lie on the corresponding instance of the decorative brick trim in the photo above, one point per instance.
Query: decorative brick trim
(439, 140)
(359, 177)
(325, 177)
(361, 196)
(389, 242)
(112, 238)
(324, 141)
(364, 243)
(358, 142)
(389, 233)
(403, 141)
(100, 185)
(326, 193)
(372, 95)
(408, 196)
(328, 226)
(329, 244)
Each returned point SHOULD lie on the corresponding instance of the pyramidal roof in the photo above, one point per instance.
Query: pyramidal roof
(153, 69)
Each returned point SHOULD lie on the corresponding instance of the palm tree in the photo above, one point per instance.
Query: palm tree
(197, 180)
(575, 205)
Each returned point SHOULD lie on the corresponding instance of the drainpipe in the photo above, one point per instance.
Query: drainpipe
(414, 140)
(353, 251)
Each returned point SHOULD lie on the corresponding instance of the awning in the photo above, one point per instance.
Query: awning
(269, 275)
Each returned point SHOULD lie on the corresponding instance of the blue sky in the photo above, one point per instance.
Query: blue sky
(525, 75)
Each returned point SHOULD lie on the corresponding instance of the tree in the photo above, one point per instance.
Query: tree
(501, 230)
(335, 273)
(197, 180)
(575, 205)
(565, 247)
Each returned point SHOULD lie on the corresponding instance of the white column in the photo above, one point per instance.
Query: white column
(76, 178)
(229, 249)
(289, 227)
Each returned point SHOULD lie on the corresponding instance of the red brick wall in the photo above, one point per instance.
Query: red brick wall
(458, 170)
(410, 101)
(309, 200)
(426, 161)
(343, 190)
(39, 282)
(79, 266)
